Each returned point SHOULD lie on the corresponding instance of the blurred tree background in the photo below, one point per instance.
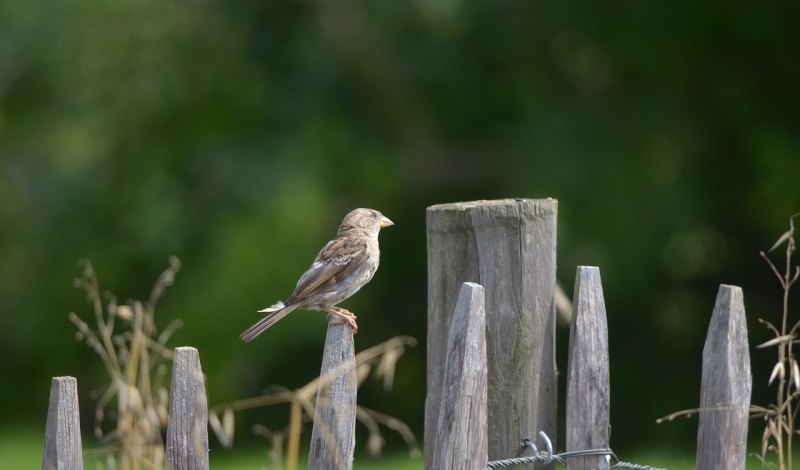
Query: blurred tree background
(236, 134)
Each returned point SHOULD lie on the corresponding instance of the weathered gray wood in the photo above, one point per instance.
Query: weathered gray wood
(588, 387)
(452, 260)
(461, 438)
(333, 439)
(509, 247)
(187, 432)
(725, 386)
(62, 441)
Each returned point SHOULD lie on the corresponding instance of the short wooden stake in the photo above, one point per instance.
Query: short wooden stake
(62, 442)
(333, 438)
(725, 386)
(461, 438)
(588, 387)
(187, 433)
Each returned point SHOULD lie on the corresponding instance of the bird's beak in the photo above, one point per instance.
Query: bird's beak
(385, 222)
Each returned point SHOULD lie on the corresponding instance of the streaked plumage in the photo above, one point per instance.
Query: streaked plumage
(343, 266)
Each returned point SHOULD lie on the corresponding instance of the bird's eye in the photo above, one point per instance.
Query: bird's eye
(374, 215)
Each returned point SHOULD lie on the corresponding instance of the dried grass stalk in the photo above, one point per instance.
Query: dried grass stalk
(135, 357)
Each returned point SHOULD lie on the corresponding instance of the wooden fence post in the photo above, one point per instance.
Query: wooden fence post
(333, 439)
(461, 440)
(725, 386)
(187, 432)
(62, 441)
(588, 387)
(509, 247)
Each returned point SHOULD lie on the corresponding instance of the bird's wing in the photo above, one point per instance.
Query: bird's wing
(337, 260)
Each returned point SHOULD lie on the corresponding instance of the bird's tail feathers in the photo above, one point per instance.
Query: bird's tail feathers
(276, 313)
(274, 307)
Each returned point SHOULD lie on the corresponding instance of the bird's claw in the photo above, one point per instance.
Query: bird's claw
(342, 316)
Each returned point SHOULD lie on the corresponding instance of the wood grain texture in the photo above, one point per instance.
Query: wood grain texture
(509, 247)
(588, 386)
(187, 433)
(461, 439)
(333, 437)
(725, 387)
(62, 442)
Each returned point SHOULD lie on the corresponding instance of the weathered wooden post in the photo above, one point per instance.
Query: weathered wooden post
(461, 440)
(725, 386)
(187, 432)
(62, 441)
(588, 387)
(333, 439)
(509, 247)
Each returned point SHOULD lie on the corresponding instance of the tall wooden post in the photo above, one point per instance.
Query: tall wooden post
(725, 386)
(509, 247)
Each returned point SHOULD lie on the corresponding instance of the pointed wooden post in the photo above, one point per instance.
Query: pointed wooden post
(725, 386)
(588, 387)
(461, 439)
(62, 441)
(333, 439)
(509, 247)
(187, 433)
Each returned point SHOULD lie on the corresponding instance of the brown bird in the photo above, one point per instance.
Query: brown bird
(344, 266)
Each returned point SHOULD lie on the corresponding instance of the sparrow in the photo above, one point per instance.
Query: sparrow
(343, 266)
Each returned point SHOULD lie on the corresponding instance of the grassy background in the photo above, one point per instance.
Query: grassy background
(23, 449)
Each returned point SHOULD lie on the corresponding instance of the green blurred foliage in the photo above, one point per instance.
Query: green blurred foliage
(235, 135)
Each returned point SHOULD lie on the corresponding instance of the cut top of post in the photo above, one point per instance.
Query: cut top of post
(533, 208)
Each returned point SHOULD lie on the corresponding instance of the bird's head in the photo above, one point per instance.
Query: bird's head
(365, 221)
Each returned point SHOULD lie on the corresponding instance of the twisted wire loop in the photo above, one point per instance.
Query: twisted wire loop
(547, 456)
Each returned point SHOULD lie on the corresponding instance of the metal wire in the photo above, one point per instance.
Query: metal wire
(547, 456)
(635, 466)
